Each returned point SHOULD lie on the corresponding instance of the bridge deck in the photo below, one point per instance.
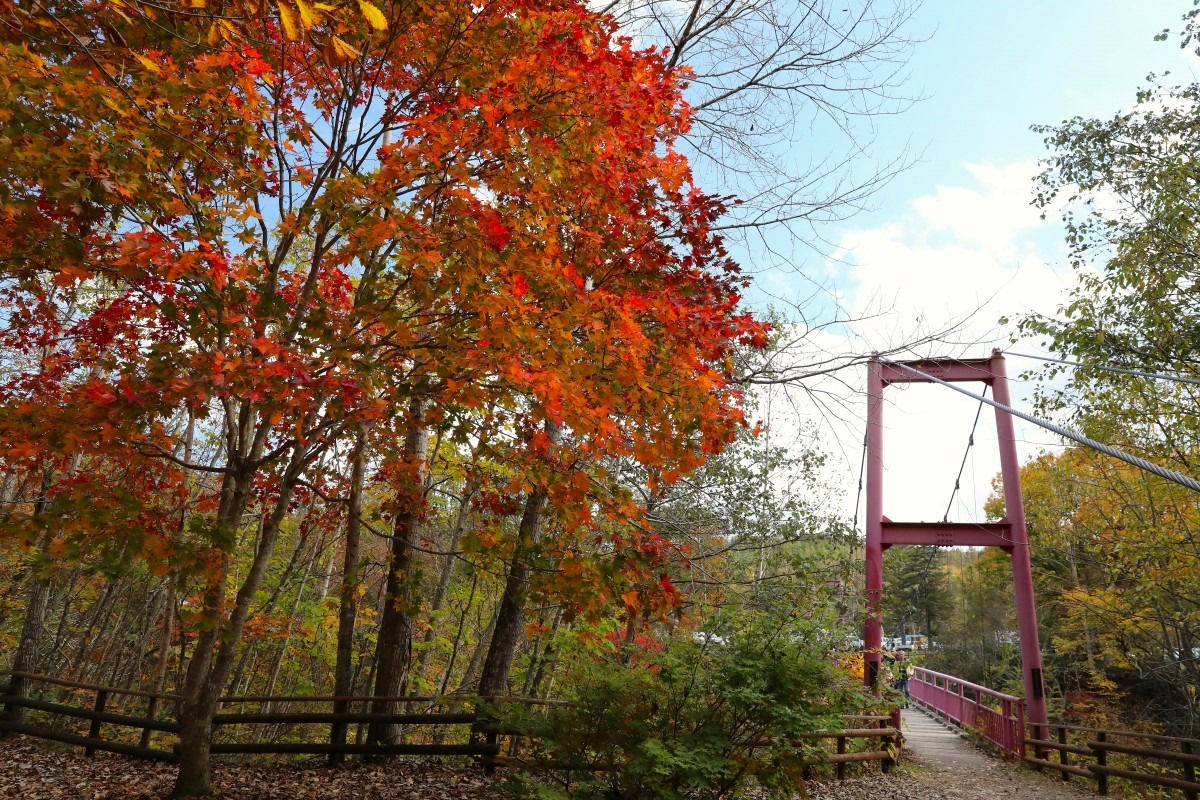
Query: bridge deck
(934, 743)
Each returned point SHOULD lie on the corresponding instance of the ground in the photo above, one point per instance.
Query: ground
(34, 771)
(920, 780)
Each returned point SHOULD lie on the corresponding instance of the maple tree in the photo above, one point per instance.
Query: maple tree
(276, 231)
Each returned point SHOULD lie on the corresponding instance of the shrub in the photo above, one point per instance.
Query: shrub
(694, 719)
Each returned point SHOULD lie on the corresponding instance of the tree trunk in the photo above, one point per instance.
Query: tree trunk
(506, 633)
(443, 584)
(28, 653)
(343, 670)
(164, 658)
(481, 648)
(538, 672)
(216, 645)
(393, 651)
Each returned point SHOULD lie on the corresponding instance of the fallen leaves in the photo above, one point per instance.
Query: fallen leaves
(34, 770)
(31, 770)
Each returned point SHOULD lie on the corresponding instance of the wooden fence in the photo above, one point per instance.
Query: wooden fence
(263, 731)
(126, 721)
(1170, 763)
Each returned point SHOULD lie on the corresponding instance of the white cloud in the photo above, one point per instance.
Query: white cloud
(968, 251)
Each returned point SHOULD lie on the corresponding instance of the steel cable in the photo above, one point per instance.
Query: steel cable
(1162, 472)
(1160, 376)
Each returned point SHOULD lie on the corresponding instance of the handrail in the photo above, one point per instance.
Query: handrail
(947, 696)
(1158, 737)
(967, 684)
(1095, 746)
(284, 698)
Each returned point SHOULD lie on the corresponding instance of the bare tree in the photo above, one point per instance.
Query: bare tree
(786, 96)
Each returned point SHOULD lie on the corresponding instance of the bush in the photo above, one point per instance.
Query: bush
(694, 719)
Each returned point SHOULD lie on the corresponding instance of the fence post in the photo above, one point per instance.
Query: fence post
(1189, 770)
(337, 732)
(151, 710)
(1020, 726)
(841, 748)
(14, 712)
(1062, 753)
(1101, 761)
(896, 718)
(94, 730)
(9, 709)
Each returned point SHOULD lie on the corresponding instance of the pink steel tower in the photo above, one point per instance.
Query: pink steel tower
(1009, 533)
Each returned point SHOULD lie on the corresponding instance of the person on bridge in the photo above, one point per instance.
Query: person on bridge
(901, 670)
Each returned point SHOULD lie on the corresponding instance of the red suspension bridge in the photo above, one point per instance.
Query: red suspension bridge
(1018, 728)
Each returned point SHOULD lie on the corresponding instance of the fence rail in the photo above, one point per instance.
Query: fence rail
(16, 702)
(480, 737)
(1096, 744)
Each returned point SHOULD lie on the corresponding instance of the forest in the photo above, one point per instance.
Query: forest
(394, 349)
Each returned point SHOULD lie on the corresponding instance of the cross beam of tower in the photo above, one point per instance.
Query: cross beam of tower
(1008, 533)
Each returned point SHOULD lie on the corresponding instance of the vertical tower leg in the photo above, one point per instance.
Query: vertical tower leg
(1014, 510)
(873, 633)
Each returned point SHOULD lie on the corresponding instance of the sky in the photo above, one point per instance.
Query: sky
(954, 238)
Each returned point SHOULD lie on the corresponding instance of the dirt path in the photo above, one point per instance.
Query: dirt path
(919, 781)
(939, 765)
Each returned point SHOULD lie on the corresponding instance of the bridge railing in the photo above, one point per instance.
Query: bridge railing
(999, 717)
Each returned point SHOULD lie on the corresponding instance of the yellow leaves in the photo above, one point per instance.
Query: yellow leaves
(373, 15)
(148, 64)
(287, 21)
(308, 16)
(342, 50)
(108, 101)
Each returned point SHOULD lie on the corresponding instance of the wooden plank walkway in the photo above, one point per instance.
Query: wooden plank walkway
(933, 743)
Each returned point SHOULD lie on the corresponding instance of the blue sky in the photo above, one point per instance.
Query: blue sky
(990, 70)
(954, 238)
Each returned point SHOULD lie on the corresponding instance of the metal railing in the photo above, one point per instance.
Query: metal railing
(998, 717)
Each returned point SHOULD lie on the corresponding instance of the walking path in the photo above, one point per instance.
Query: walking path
(940, 765)
(933, 743)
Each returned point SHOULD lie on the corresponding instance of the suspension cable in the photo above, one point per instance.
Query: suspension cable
(966, 453)
(861, 469)
(1160, 376)
(1162, 472)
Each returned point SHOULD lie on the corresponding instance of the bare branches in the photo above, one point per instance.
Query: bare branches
(785, 95)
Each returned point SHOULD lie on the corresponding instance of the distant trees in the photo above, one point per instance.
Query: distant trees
(915, 597)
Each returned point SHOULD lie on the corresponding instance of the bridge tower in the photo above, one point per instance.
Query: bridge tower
(1008, 534)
